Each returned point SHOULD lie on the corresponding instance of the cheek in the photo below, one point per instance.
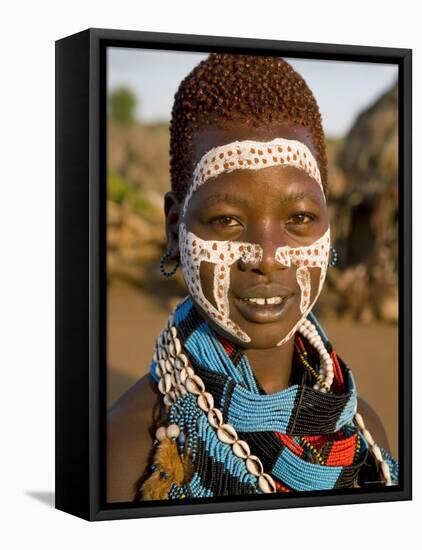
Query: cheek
(315, 276)
(206, 271)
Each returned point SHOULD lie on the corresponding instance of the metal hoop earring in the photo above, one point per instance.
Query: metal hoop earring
(162, 270)
(333, 261)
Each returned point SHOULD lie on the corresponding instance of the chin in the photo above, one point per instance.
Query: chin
(262, 338)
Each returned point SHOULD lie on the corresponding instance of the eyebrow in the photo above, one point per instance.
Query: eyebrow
(296, 197)
(236, 200)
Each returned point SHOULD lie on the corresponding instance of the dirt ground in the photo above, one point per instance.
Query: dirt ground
(135, 319)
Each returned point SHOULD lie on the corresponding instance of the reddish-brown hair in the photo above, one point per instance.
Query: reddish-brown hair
(227, 87)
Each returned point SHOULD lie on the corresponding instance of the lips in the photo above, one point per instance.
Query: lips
(265, 291)
(264, 304)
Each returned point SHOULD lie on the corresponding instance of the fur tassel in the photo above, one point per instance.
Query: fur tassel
(166, 459)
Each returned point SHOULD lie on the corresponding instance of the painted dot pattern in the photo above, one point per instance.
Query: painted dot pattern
(305, 257)
(193, 251)
(252, 155)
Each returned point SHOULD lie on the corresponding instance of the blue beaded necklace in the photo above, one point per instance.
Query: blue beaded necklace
(297, 411)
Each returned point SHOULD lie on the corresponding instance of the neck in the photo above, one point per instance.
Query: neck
(272, 366)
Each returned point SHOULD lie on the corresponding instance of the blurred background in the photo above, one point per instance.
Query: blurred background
(358, 306)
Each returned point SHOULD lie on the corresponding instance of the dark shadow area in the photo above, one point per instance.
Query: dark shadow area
(117, 384)
(46, 497)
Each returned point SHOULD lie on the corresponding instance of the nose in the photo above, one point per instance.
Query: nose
(267, 263)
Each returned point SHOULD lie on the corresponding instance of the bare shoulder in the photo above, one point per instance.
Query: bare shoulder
(373, 423)
(131, 425)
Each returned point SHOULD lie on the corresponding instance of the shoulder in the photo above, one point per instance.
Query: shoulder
(373, 424)
(131, 423)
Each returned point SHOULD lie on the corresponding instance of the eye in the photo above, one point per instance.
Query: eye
(225, 221)
(300, 218)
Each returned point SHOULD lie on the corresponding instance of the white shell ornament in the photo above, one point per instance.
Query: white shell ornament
(266, 483)
(168, 399)
(205, 401)
(215, 417)
(226, 434)
(194, 385)
(254, 465)
(241, 449)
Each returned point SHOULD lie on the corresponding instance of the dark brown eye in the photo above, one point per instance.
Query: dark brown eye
(300, 218)
(225, 221)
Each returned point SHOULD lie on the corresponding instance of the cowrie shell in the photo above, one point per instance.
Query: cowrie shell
(162, 354)
(175, 347)
(164, 385)
(266, 483)
(241, 449)
(183, 359)
(205, 401)
(226, 434)
(168, 400)
(215, 417)
(161, 367)
(194, 384)
(254, 465)
(183, 374)
(173, 331)
(172, 361)
(179, 364)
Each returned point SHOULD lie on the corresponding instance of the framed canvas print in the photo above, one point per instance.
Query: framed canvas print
(233, 274)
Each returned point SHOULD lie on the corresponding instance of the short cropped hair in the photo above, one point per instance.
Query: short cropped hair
(237, 87)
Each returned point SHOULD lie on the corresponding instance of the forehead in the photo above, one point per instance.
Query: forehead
(222, 133)
(254, 189)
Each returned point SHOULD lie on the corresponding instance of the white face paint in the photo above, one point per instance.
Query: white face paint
(223, 254)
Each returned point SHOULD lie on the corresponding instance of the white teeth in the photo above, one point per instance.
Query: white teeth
(264, 301)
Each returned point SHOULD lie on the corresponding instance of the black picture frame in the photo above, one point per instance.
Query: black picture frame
(81, 273)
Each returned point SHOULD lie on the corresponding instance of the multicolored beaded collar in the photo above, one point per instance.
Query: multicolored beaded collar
(240, 440)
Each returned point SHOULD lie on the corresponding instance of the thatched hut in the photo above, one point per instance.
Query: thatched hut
(365, 215)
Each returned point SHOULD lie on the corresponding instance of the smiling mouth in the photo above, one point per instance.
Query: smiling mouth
(263, 310)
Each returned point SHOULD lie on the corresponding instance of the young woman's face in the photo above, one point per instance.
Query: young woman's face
(272, 207)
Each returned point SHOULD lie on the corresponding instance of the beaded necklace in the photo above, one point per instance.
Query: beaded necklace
(238, 439)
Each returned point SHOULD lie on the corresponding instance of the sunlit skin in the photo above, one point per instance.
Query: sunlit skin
(273, 206)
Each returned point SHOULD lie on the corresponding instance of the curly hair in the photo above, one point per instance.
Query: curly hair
(237, 87)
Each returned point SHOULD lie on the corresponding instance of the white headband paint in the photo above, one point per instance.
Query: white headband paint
(252, 155)
(223, 254)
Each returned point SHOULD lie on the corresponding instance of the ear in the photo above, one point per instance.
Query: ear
(172, 209)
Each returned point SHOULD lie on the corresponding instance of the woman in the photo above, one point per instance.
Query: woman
(245, 393)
